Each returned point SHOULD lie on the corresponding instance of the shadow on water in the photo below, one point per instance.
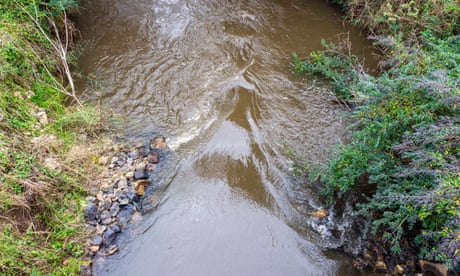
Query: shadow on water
(214, 77)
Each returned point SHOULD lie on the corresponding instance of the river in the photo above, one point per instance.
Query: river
(215, 78)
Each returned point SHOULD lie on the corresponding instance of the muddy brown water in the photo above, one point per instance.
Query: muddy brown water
(215, 78)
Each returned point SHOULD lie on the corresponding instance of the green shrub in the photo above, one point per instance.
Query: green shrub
(405, 139)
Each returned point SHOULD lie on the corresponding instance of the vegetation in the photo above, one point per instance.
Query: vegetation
(41, 186)
(405, 143)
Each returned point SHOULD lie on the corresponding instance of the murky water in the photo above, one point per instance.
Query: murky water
(214, 77)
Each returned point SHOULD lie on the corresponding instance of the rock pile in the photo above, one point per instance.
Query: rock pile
(120, 191)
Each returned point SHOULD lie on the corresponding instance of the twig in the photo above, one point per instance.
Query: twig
(58, 47)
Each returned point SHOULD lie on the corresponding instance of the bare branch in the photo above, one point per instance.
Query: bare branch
(59, 47)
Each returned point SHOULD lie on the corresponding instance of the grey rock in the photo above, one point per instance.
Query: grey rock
(131, 194)
(116, 228)
(133, 155)
(130, 175)
(106, 221)
(124, 201)
(153, 157)
(137, 206)
(141, 174)
(109, 236)
(91, 199)
(107, 189)
(114, 209)
(91, 222)
(105, 214)
(105, 204)
(111, 250)
(100, 229)
(122, 183)
(97, 240)
(90, 212)
(125, 214)
(85, 270)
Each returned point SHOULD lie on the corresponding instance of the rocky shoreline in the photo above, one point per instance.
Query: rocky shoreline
(119, 196)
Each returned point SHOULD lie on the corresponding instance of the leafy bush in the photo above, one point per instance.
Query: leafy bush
(406, 135)
(405, 17)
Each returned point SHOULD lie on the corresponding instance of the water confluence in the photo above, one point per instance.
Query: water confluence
(215, 78)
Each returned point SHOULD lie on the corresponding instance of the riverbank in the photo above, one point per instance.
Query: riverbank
(400, 171)
(48, 142)
(118, 199)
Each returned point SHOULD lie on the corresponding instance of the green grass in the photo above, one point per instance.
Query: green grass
(41, 226)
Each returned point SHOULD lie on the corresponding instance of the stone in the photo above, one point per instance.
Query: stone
(380, 267)
(125, 215)
(105, 203)
(140, 190)
(100, 229)
(94, 248)
(91, 222)
(52, 163)
(91, 199)
(321, 213)
(122, 183)
(133, 154)
(159, 142)
(104, 214)
(91, 212)
(435, 269)
(109, 236)
(85, 270)
(116, 228)
(142, 182)
(141, 166)
(107, 221)
(130, 194)
(130, 175)
(399, 270)
(103, 160)
(96, 240)
(123, 201)
(141, 174)
(114, 160)
(42, 118)
(100, 196)
(111, 250)
(114, 209)
(107, 189)
(151, 167)
(153, 157)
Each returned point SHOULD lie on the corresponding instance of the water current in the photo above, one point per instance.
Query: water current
(215, 78)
